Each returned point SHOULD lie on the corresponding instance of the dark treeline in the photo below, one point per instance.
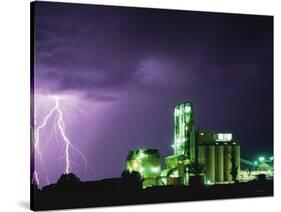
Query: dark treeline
(70, 192)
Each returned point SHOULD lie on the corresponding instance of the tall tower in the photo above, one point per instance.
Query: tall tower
(184, 135)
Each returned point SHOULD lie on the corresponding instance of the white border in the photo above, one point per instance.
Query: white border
(14, 92)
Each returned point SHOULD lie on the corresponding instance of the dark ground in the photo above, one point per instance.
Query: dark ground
(120, 191)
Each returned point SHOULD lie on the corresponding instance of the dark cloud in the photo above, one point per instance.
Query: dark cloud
(100, 96)
(107, 47)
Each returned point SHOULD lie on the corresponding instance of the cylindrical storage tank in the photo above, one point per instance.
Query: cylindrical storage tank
(210, 163)
(146, 162)
(236, 154)
(227, 163)
(219, 163)
(202, 155)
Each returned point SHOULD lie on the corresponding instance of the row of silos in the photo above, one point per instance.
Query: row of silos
(217, 159)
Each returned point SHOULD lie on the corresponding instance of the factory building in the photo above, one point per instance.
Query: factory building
(253, 170)
(205, 157)
(184, 141)
(176, 166)
(147, 163)
(175, 170)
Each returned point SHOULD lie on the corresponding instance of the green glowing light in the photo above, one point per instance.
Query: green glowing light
(182, 127)
(141, 155)
(256, 162)
(271, 158)
(187, 109)
(261, 158)
(135, 165)
(209, 182)
(223, 137)
(155, 169)
(141, 170)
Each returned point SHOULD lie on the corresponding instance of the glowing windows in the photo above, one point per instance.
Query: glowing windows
(223, 137)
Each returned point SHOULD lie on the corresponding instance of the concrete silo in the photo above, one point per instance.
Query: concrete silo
(227, 163)
(202, 154)
(219, 165)
(210, 163)
(236, 159)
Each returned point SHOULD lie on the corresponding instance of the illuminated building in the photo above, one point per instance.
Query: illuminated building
(208, 157)
(147, 163)
(175, 170)
(176, 166)
(183, 130)
(261, 166)
(216, 153)
(264, 168)
(220, 156)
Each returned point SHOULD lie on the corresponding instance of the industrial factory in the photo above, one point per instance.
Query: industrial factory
(198, 156)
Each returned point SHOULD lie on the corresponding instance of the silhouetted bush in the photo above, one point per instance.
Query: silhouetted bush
(132, 179)
(68, 179)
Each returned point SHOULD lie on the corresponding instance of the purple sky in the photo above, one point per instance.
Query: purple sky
(126, 68)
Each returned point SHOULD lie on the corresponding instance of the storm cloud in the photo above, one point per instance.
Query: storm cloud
(100, 47)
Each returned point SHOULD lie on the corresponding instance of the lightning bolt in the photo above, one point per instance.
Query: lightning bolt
(59, 128)
(35, 178)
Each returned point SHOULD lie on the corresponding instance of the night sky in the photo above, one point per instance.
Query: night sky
(122, 70)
